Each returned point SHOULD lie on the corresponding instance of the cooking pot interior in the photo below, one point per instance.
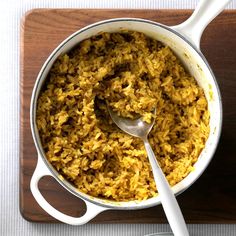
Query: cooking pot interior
(195, 63)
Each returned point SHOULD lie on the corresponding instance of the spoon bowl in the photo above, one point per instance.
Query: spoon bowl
(137, 128)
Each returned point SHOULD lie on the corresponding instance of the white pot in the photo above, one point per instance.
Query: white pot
(184, 40)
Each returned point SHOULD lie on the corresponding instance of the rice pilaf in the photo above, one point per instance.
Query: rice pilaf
(134, 74)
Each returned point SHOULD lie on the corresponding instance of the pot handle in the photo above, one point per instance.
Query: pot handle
(204, 13)
(92, 209)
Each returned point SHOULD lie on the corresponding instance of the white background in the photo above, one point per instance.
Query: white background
(11, 221)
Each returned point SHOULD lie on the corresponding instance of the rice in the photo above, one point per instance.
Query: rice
(133, 74)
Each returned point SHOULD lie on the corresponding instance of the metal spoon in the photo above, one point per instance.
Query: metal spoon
(141, 129)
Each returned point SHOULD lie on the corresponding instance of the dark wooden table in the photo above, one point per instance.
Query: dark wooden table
(212, 199)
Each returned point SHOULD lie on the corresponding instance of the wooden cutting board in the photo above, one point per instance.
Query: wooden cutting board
(212, 199)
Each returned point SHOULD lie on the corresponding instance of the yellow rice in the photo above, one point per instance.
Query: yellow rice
(134, 74)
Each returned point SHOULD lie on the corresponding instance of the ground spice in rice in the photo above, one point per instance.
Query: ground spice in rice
(134, 74)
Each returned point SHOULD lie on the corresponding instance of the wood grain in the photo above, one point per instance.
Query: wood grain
(212, 199)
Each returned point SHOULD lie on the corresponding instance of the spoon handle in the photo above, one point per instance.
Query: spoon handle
(168, 200)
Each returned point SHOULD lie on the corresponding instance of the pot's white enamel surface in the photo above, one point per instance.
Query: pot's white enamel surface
(187, 50)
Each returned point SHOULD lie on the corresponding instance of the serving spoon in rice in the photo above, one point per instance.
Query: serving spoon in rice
(141, 129)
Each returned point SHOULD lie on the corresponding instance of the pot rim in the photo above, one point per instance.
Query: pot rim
(98, 201)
